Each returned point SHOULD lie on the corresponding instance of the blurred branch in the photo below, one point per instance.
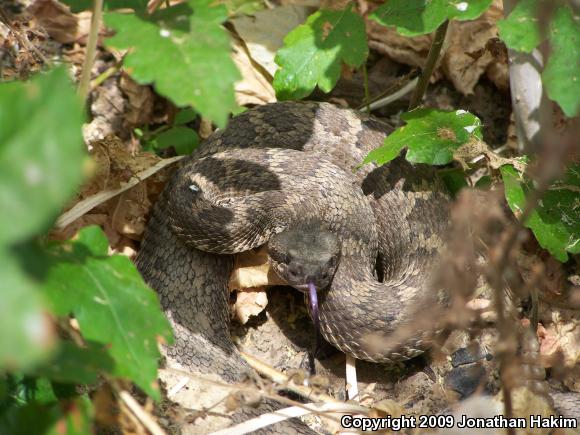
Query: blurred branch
(532, 109)
(143, 416)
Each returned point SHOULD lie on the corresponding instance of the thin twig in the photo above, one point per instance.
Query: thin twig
(177, 387)
(91, 49)
(430, 63)
(86, 205)
(286, 384)
(286, 413)
(97, 81)
(281, 379)
(143, 416)
(402, 86)
(401, 92)
(351, 379)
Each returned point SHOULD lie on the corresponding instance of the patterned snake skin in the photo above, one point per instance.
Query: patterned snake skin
(271, 167)
(185, 254)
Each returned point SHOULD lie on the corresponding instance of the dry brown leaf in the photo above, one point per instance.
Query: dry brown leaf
(254, 88)
(251, 269)
(108, 107)
(122, 217)
(128, 217)
(249, 303)
(263, 33)
(560, 334)
(57, 20)
(475, 148)
(140, 99)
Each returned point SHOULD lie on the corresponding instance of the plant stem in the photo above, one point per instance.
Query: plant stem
(91, 49)
(430, 63)
(366, 86)
(97, 81)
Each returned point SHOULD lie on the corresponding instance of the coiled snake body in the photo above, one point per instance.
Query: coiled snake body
(293, 161)
(407, 203)
(272, 167)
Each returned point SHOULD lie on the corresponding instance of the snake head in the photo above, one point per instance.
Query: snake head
(307, 253)
(306, 257)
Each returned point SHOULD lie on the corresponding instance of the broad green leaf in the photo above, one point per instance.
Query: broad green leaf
(69, 417)
(112, 304)
(26, 336)
(561, 75)
(184, 51)
(25, 389)
(556, 221)
(76, 365)
(314, 52)
(92, 238)
(520, 30)
(86, 5)
(184, 116)
(183, 139)
(29, 419)
(41, 152)
(418, 17)
(430, 135)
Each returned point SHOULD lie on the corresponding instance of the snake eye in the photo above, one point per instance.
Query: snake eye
(194, 188)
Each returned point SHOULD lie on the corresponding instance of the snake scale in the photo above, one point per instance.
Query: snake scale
(271, 168)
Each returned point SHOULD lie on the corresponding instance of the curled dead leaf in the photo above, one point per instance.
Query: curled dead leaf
(56, 18)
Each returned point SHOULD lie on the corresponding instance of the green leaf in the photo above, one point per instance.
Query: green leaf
(520, 30)
(561, 75)
(26, 337)
(454, 180)
(76, 365)
(41, 152)
(184, 51)
(92, 238)
(25, 389)
(183, 139)
(184, 116)
(419, 17)
(314, 51)
(430, 135)
(29, 419)
(112, 305)
(86, 5)
(556, 221)
(56, 418)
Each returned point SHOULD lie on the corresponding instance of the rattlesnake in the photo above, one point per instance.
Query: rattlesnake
(192, 283)
(272, 167)
(410, 205)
